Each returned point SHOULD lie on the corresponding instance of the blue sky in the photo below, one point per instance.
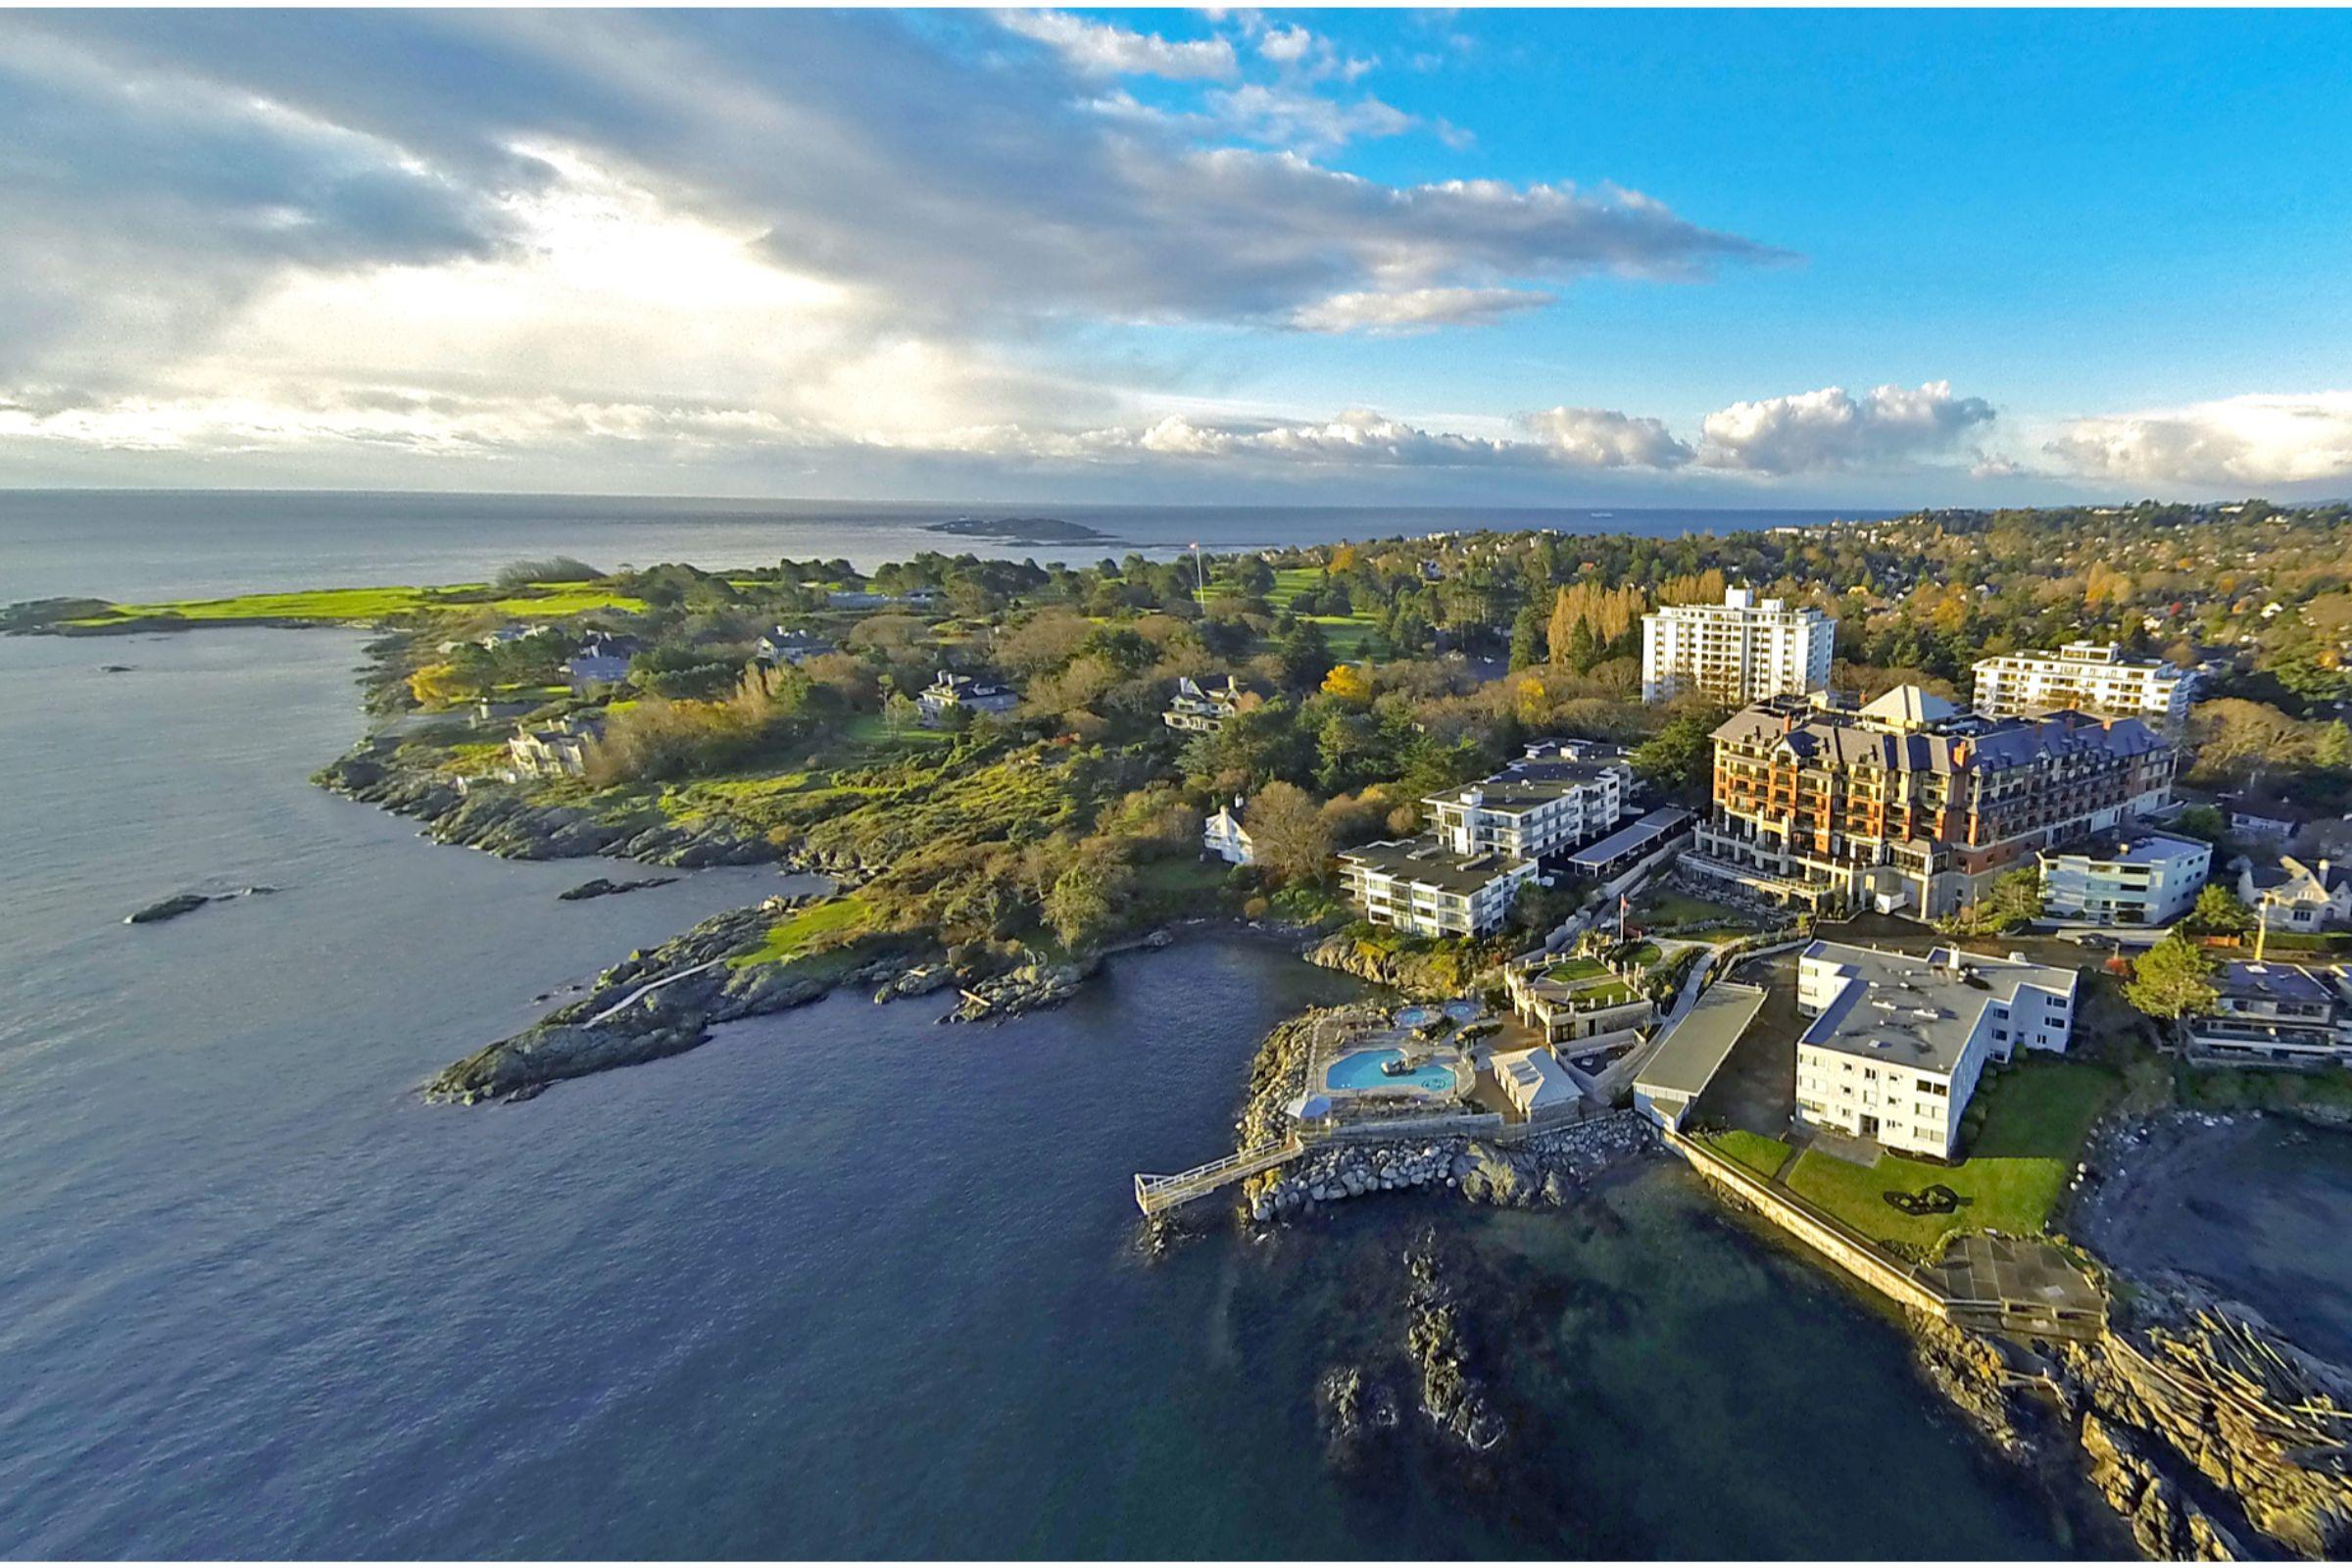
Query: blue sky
(1705, 257)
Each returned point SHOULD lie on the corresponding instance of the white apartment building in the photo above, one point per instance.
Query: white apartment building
(2139, 878)
(1897, 1043)
(1422, 889)
(1740, 651)
(1563, 794)
(2098, 678)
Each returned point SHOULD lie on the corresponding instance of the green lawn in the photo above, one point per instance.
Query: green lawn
(1346, 636)
(1645, 954)
(1678, 908)
(1574, 971)
(829, 922)
(2037, 1115)
(340, 605)
(1759, 1154)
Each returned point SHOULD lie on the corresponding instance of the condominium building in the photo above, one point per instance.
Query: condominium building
(1910, 804)
(2098, 678)
(2135, 878)
(1560, 795)
(1740, 651)
(2281, 1014)
(1421, 888)
(1897, 1044)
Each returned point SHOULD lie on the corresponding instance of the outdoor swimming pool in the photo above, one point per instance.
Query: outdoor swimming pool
(1416, 1016)
(1361, 1069)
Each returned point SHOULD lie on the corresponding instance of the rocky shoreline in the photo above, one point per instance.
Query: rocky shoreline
(1545, 1168)
(2201, 1427)
(498, 820)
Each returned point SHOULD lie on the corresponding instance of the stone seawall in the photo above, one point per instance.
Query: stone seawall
(1542, 1168)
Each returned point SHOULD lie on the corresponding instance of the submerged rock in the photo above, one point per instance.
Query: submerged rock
(605, 887)
(171, 908)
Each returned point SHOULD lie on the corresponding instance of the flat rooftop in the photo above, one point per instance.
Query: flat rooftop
(1425, 860)
(2271, 982)
(1640, 834)
(1691, 1052)
(1910, 1011)
(1529, 783)
(2135, 849)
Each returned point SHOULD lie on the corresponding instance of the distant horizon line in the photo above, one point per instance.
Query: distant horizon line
(1587, 509)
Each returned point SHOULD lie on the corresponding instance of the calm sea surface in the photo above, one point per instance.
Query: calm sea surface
(841, 1283)
(134, 545)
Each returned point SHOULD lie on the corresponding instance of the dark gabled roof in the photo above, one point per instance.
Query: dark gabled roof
(1843, 739)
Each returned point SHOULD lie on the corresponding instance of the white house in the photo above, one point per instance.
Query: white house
(554, 751)
(1740, 651)
(951, 694)
(2132, 878)
(1224, 837)
(2297, 894)
(2098, 678)
(1202, 706)
(1897, 1043)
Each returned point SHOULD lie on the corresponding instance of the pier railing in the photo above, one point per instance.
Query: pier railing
(1155, 1194)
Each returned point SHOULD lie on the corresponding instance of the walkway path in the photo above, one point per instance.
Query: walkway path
(1618, 1076)
(648, 988)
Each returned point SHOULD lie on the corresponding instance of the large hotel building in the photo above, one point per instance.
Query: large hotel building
(1740, 651)
(1912, 805)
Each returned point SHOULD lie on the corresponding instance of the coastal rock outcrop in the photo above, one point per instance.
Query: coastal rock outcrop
(652, 1004)
(2165, 1525)
(501, 820)
(1437, 1341)
(605, 887)
(1427, 975)
(171, 908)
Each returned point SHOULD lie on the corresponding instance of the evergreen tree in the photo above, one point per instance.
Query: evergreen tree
(2172, 978)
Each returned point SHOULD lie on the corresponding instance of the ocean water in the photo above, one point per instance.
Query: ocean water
(144, 545)
(843, 1282)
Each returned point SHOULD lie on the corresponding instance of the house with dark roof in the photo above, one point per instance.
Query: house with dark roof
(784, 645)
(2293, 895)
(2278, 1014)
(953, 694)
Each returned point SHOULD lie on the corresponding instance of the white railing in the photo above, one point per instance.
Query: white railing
(1155, 1192)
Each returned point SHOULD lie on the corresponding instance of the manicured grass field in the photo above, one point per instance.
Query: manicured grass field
(1569, 971)
(1759, 1154)
(1645, 954)
(2036, 1114)
(1346, 636)
(339, 604)
(1678, 908)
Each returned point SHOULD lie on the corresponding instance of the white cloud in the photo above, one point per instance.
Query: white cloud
(1812, 432)
(1101, 49)
(1308, 121)
(2260, 438)
(1398, 312)
(1603, 438)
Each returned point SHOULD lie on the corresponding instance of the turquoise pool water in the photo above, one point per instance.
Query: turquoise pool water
(1361, 1069)
(1415, 1018)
